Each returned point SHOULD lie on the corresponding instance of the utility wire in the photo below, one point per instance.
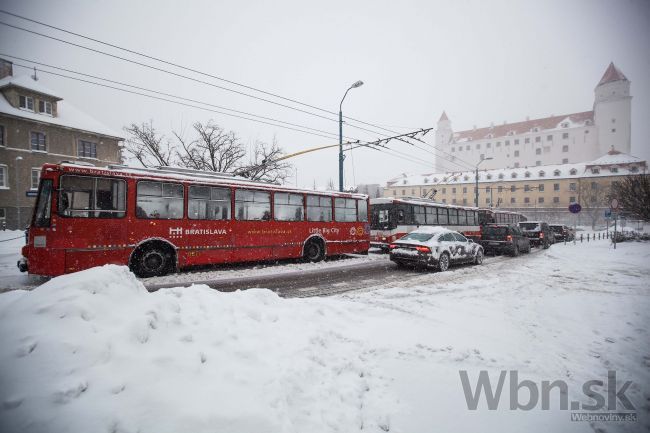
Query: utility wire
(208, 75)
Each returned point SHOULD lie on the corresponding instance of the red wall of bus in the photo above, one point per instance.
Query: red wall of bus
(73, 243)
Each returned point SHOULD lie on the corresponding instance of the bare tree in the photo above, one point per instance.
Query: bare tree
(264, 164)
(633, 195)
(147, 146)
(213, 150)
(593, 199)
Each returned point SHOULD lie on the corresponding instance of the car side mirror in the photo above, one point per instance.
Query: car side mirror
(470, 240)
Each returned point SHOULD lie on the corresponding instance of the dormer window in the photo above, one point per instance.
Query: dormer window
(595, 170)
(573, 172)
(565, 125)
(435, 179)
(465, 177)
(556, 173)
(26, 102)
(500, 175)
(527, 174)
(489, 176)
(513, 175)
(426, 180)
(614, 170)
(490, 136)
(45, 107)
(535, 129)
(542, 174)
(634, 169)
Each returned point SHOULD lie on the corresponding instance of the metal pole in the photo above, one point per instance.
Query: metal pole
(615, 219)
(476, 189)
(341, 148)
(18, 194)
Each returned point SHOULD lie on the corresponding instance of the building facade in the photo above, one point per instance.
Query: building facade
(37, 127)
(540, 192)
(564, 139)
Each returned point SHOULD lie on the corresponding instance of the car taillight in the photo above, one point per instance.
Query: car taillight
(509, 238)
(392, 246)
(423, 249)
(541, 235)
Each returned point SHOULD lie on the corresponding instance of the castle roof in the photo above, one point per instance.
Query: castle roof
(525, 126)
(443, 117)
(612, 74)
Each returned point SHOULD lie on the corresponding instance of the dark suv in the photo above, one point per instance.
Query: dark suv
(538, 232)
(504, 238)
(562, 232)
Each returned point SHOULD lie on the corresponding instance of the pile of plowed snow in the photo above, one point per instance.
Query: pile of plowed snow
(94, 351)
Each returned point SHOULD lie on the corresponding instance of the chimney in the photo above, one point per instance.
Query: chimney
(6, 68)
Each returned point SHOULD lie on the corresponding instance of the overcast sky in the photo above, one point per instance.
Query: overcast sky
(481, 61)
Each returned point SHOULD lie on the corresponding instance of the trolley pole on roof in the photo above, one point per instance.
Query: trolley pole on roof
(476, 187)
(341, 156)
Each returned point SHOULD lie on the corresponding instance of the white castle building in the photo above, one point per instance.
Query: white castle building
(569, 138)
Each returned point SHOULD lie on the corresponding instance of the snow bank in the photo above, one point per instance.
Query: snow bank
(95, 352)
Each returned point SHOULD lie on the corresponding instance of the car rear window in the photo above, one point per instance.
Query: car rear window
(421, 237)
(557, 229)
(529, 226)
(495, 231)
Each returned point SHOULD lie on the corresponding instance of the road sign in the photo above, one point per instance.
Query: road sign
(614, 204)
(31, 193)
(608, 214)
(575, 208)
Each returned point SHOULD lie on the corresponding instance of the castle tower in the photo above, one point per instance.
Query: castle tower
(443, 136)
(612, 111)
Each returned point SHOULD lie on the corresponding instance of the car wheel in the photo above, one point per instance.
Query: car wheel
(478, 259)
(153, 260)
(443, 262)
(314, 251)
(515, 251)
(546, 245)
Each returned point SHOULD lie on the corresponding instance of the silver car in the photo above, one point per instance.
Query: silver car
(435, 247)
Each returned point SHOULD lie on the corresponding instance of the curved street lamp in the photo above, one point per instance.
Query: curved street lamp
(341, 157)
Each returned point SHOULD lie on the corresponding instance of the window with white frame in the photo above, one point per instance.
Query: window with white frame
(26, 102)
(45, 107)
(3, 176)
(36, 177)
(38, 142)
(87, 149)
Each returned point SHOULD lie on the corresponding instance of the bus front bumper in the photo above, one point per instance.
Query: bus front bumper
(23, 265)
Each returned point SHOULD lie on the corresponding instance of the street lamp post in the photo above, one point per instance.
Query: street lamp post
(341, 157)
(18, 158)
(476, 188)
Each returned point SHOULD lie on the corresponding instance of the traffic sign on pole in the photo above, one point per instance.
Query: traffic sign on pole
(575, 208)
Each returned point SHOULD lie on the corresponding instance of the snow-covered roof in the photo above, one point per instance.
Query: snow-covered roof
(625, 165)
(614, 157)
(68, 116)
(27, 82)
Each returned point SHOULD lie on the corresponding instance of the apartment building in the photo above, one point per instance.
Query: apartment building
(38, 126)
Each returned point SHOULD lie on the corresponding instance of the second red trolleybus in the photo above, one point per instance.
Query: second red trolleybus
(159, 220)
(498, 216)
(392, 218)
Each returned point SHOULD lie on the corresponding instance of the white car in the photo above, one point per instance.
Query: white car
(435, 247)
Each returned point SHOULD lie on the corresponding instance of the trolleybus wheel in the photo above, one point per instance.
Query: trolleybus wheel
(314, 250)
(152, 260)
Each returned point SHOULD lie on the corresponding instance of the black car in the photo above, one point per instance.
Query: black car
(504, 239)
(538, 232)
(562, 232)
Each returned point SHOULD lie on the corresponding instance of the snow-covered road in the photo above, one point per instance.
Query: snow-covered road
(95, 352)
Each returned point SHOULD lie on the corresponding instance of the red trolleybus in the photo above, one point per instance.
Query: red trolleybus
(159, 220)
(492, 216)
(393, 218)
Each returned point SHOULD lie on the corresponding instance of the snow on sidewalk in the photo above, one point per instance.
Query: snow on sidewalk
(95, 352)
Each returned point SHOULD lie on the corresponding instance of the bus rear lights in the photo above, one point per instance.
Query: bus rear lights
(423, 249)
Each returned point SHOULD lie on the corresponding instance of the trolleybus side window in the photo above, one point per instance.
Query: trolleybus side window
(159, 200)
(431, 215)
(453, 217)
(363, 210)
(252, 205)
(207, 203)
(418, 215)
(287, 207)
(319, 208)
(345, 209)
(92, 197)
(462, 217)
(44, 204)
(443, 219)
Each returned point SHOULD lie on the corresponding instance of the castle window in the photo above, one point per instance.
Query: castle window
(613, 120)
(516, 153)
(507, 142)
(565, 135)
(565, 160)
(549, 138)
(538, 151)
(613, 129)
(488, 145)
(565, 148)
(538, 139)
(453, 149)
(516, 141)
(467, 147)
(516, 165)
(498, 144)
(538, 162)
(478, 145)
(526, 140)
